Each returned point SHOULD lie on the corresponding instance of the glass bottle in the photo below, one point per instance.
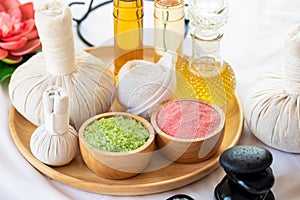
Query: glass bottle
(169, 26)
(211, 78)
(128, 31)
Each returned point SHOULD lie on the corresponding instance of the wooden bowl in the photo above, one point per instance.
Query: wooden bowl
(185, 150)
(117, 165)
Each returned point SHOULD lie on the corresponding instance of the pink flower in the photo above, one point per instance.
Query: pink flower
(18, 34)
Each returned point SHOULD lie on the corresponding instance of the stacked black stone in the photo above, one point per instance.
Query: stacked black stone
(248, 174)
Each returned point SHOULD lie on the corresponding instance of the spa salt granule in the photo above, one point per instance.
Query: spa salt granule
(188, 119)
(116, 134)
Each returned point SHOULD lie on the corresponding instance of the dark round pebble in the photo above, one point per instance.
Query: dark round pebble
(245, 159)
(180, 197)
(227, 190)
(256, 183)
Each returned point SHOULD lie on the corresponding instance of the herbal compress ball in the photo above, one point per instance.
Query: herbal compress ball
(87, 80)
(55, 142)
(272, 109)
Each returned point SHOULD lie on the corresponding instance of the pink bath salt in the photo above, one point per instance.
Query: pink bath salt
(188, 119)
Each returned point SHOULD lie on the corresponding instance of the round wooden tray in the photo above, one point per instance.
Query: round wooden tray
(174, 175)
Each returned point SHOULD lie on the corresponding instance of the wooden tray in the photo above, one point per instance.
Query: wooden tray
(174, 175)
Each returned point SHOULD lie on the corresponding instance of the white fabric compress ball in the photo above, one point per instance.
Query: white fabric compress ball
(55, 142)
(89, 83)
(272, 109)
(142, 85)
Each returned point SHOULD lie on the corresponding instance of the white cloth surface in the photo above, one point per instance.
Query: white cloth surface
(252, 44)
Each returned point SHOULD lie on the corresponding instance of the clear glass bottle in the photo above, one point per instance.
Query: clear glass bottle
(128, 31)
(169, 26)
(210, 77)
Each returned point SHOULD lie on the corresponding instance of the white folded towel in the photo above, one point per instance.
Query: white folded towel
(142, 84)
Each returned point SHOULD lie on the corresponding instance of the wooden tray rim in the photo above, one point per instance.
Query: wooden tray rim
(121, 189)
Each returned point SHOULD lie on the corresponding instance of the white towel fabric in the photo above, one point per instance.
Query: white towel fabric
(55, 142)
(142, 85)
(272, 110)
(89, 83)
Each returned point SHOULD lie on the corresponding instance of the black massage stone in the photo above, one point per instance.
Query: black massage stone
(227, 190)
(246, 159)
(257, 183)
(248, 174)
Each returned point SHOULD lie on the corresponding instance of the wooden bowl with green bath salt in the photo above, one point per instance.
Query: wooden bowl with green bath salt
(188, 131)
(116, 145)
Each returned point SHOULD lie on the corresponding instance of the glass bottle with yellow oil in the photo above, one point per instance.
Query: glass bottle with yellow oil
(169, 26)
(128, 31)
(211, 78)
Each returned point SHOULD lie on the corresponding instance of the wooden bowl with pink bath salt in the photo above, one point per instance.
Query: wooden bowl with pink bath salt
(188, 130)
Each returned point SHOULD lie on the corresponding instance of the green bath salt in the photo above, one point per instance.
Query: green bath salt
(116, 134)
